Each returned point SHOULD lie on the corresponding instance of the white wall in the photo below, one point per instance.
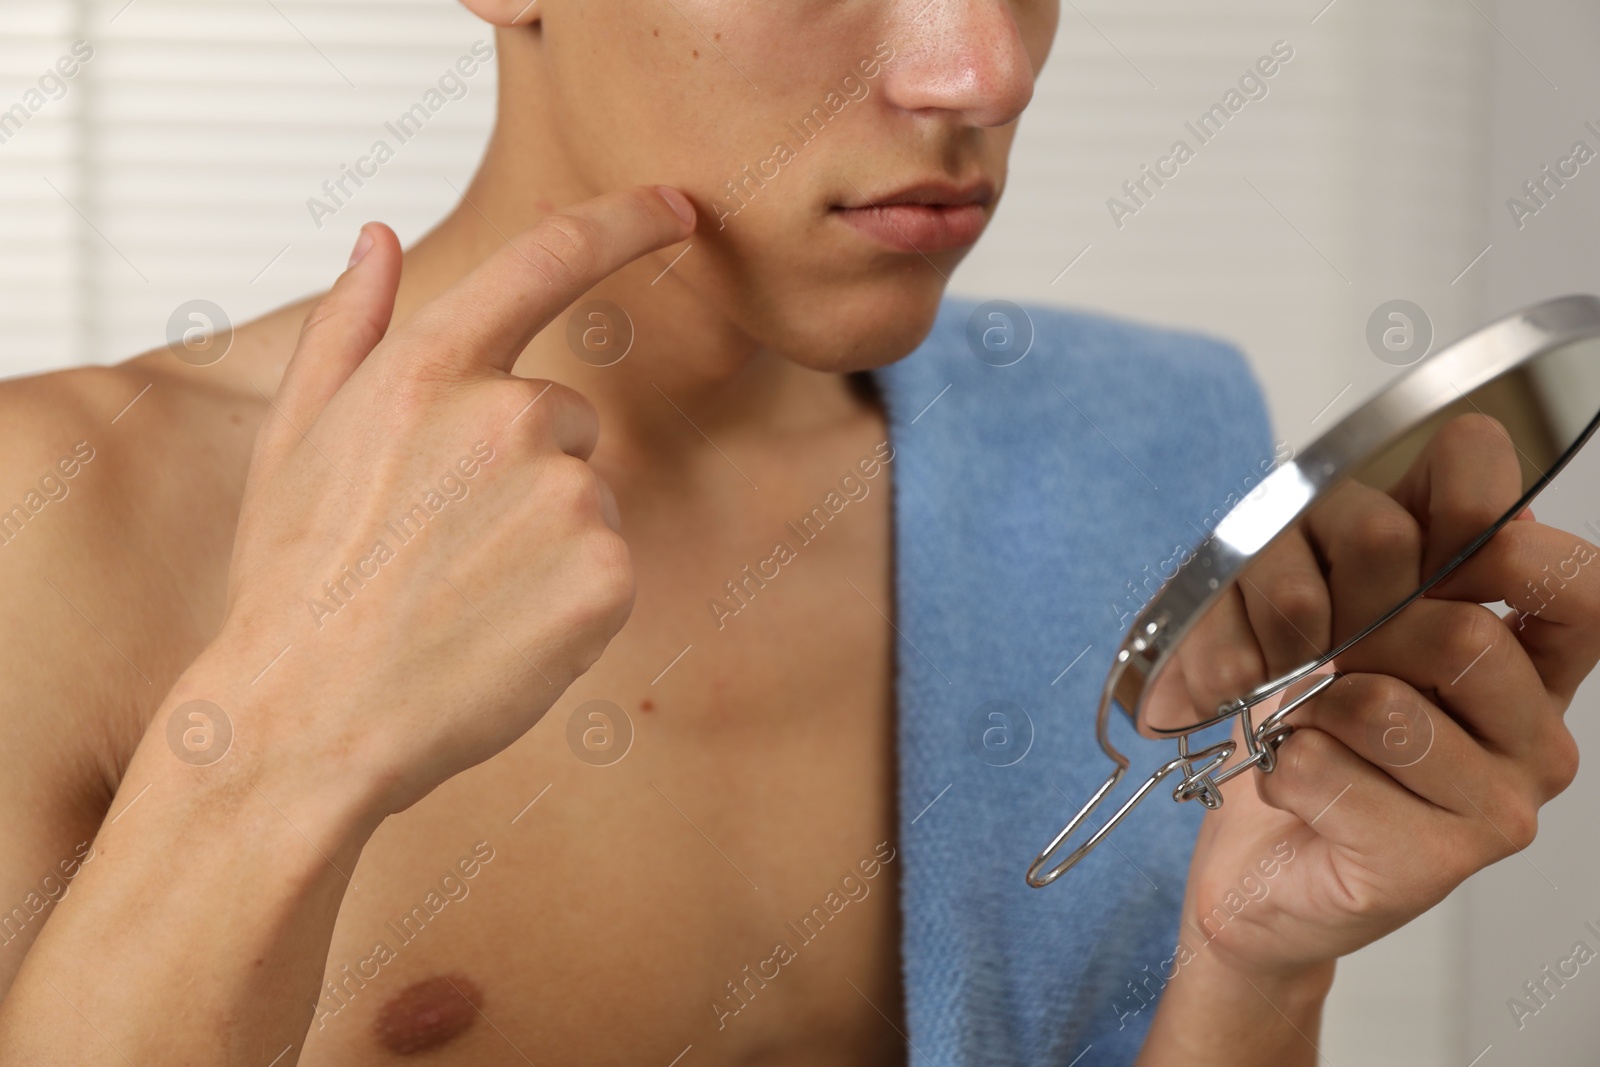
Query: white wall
(1376, 167)
(1523, 915)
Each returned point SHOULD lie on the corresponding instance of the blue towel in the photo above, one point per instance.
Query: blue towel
(1035, 507)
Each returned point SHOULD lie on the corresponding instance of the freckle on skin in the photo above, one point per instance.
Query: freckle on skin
(647, 704)
(697, 53)
(656, 34)
(427, 1014)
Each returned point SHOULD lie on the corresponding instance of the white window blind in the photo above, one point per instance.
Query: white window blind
(40, 137)
(179, 161)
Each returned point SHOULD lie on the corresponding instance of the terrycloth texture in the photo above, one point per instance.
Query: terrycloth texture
(1025, 499)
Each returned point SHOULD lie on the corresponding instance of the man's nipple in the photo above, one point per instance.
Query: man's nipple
(426, 1014)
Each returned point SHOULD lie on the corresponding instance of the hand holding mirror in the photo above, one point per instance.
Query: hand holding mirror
(1255, 620)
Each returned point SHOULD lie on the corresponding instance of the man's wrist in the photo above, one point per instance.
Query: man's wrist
(218, 737)
(1216, 1012)
(211, 856)
(1296, 992)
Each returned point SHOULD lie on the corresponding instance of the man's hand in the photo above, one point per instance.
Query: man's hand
(420, 527)
(1431, 757)
(1427, 761)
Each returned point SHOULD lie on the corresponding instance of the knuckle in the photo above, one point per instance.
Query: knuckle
(1384, 533)
(608, 557)
(1302, 597)
(1559, 763)
(570, 405)
(1466, 632)
(609, 580)
(1303, 755)
(1227, 674)
(1507, 818)
(1370, 703)
(564, 248)
(525, 407)
(533, 410)
(1467, 507)
(1376, 691)
(1465, 500)
(1473, 428)
(573, 486)
(1519, 822)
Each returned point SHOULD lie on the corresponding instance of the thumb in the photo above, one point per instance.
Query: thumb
(341, 328)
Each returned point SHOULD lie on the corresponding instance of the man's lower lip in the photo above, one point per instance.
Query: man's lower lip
(916, 227)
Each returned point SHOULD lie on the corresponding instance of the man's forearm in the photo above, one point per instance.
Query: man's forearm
(201, 932)
(1210, 1014)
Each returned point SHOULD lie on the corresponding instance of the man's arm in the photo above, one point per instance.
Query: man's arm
(200, 931)
(1210, 1014)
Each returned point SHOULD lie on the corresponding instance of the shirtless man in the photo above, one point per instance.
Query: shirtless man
(381, 777)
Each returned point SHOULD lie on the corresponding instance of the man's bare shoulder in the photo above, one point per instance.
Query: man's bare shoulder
(110, 479)
(119, 493)
(101, 457)
(107, 459)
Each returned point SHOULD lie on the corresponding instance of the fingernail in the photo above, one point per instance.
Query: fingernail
(678, 203)
(363, 246)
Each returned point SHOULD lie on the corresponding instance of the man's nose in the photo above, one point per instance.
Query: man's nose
(962, 56)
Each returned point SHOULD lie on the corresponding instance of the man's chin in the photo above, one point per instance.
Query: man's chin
(865, 331)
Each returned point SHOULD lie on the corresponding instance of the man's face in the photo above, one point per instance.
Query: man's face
(785, 122)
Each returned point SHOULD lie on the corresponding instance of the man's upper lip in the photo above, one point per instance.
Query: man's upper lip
(932, 193)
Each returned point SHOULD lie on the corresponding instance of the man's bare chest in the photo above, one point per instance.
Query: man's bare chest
(695, 847)
(694, 850)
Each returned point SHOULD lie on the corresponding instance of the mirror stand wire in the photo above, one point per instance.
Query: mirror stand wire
(1204, 773)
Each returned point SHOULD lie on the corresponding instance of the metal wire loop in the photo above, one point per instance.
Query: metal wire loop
(1204, 773)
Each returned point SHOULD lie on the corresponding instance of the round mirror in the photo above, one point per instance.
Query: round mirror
(1516, 429)
(1313, 559)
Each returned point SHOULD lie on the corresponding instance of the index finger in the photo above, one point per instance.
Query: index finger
(1464, 480)
(488, 318)
(1371, 546)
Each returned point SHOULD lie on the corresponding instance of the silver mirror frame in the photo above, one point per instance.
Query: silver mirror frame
(1271, 508)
